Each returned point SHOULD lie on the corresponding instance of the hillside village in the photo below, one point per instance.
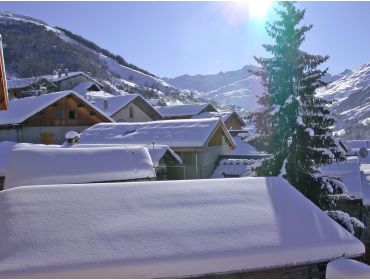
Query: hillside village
(98, 181)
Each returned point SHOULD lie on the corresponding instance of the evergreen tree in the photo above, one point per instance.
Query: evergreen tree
(294, 126)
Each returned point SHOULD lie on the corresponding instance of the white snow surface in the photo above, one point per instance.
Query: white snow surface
(5, 150)
(350, 173)
(242, 147)
(173, 133)
(157, 152)
(230, 167)
(181, 110)
(164, 229)
(21, 109)
(115, 103)
(347, 269)
(55, 165)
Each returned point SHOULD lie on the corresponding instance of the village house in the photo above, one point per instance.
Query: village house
(228, 228)
(127, 108)
(46, 118)
(198, 142)
(34, 86)
(60, 81)
(184, 111)
(34, 165)
(231, 119)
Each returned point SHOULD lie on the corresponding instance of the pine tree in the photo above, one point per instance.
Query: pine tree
(294, 126)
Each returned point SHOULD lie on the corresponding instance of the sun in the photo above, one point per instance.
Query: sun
(258, 9)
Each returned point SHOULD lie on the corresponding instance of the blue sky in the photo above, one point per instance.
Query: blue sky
(175, 38)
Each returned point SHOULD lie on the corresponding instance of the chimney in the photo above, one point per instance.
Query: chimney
(66, 72)
(72, 137)
(105, 104)
(59, 73)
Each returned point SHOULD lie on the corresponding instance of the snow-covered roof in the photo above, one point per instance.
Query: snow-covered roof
(347, 269)
(23, 82)
(83, 88)
(5, 149)
(357, 144)
(173, 133)
(21, 109)
(164, 229)
(182, 110)
(224, 115)
(157, 152)
(232, 167)
(57, 78)
(42, 166)
(115, 103)
(242, 147)
(350, 173)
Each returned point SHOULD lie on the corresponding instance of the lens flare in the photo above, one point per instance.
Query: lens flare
(258, 9)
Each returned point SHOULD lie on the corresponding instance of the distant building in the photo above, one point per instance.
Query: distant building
(184, 111)
(231, 119)
(198, 142)
(46, 118)
(227, 228)
(127, 108)
(60, 81)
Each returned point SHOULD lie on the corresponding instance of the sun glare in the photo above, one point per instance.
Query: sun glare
(258, 9)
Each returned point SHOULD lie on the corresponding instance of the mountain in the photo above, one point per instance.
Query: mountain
(350, 96)
(240, 88)
(33, 48)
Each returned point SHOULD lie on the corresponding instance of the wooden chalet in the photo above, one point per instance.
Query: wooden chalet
(46, 118)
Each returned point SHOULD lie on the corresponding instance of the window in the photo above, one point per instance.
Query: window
(59, 114)
(72, 115)
(131, 112)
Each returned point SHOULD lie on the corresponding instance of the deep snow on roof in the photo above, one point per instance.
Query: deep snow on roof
(21, 83)
(115, 103)
(157, 152)
(164, 229)
(350, 173)
(42, 166)
(242, 147)
(230, 167)
(83, 88)
(5, 149)
(357, 144)
(181, 110)
(173, 133)
(347, 269)
(21, 109)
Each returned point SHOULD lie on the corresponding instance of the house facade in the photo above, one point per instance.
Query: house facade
(128, 108)
(47, 118)
(198, 142)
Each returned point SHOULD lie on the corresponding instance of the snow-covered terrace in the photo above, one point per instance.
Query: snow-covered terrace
(42, 165)
(164, 229)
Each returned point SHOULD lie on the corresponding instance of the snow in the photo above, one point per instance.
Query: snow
(115, 103)
(299, 120)
(347, 269)
(83, 88)
(349, 172)
(41, 166)
(357, 144)
(21, 109)
(157, 152)
(365, 178)
(164, 229)
(21, 83)
(72, 135)
(5, 150)
(173, 133)
(182, 110)
(242, 147)
(310, 131)
(230, 167)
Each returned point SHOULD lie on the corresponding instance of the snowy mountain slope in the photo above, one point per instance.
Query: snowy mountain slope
(351, 103)
(60, 48)
(239, 88)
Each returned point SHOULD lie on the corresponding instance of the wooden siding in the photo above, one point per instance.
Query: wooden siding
(233, 123)
(58, 114)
